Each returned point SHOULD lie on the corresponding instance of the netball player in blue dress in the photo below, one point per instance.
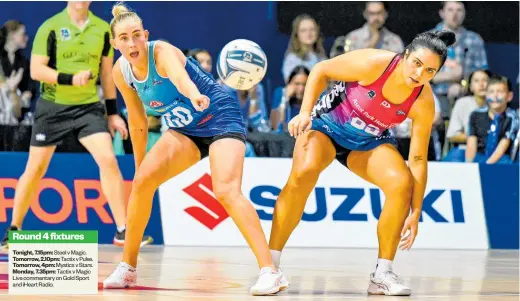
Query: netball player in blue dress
(202, 119)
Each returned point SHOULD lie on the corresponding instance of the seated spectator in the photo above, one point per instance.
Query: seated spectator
(465, 56)
(122, 146)
(492, 130)
(403, 133)
(253, 107)
(15, 68)
(203, 57)
(459, 120)
(372, 35)
(11, 100)
(287, 100)
(13, 136)
(305, 46)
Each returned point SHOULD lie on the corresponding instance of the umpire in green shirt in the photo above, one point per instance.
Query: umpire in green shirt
(71, 51)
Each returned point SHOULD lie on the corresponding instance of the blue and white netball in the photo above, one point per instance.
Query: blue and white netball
(241, 64)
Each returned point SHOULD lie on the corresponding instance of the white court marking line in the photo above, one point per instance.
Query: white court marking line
(340, 297)
(59, 296)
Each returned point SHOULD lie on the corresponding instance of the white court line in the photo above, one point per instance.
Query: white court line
(60, 295)
(341, 296)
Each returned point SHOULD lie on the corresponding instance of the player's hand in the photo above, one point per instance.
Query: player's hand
(81, 78)
(200, 102)
(289, 91)
(300, 124)
(411, 224)
(14, 79)
(116, 123)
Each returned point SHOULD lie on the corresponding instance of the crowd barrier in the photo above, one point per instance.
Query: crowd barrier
(466, 206)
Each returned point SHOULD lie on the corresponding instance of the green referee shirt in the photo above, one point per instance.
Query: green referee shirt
(71, 50)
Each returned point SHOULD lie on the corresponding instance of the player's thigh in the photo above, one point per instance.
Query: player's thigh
(382, 166)
(313, 152)
(226, 157)
(171, 154)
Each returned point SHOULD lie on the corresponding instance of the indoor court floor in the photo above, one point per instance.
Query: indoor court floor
(225, 274)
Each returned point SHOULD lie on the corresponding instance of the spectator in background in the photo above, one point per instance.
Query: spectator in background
(403, 133)
(305, 46)
(372, 35)
(493, 129)
(465, 56)
(13, 137)
(11, 101)
(203, 57)
(13, 40)
(287, 100)
(459, 120)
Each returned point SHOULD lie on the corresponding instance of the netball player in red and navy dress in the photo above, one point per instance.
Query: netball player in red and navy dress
(376, 90)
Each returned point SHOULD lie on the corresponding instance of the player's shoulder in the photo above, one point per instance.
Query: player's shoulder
(161, 45)
(164, 46)
(377, 56)
(117, 69)
(426, 96)
(374, 62)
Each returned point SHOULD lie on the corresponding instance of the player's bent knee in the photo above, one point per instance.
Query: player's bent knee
(226, 194)
(144, 180)
(107, 161)
(36, 171)
(399, 183)
(304, 176)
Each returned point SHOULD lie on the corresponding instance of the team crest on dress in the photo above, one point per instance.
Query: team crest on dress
(371, 94)
(65, 34)
(400, 112)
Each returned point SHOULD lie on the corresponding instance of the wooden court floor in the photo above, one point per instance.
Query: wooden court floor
(199, 273)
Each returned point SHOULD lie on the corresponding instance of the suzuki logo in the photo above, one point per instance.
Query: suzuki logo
(385, 104)
(212, 213)
(265, 196)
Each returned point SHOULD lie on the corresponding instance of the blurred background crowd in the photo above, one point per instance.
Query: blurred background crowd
(311, 32)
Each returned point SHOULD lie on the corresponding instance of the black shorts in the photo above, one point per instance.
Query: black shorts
(53, 122)
(341, 152)
(203, 143)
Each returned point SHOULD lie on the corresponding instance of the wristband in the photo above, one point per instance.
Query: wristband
(65, 79)
(111, 106)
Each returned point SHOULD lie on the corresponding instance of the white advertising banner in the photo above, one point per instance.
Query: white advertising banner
(342, 210)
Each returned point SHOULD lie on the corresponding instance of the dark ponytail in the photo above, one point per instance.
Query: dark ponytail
(436, 41)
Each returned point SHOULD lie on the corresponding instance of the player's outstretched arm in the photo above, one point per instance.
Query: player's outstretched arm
(137, 121)
(172, 61)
